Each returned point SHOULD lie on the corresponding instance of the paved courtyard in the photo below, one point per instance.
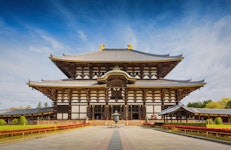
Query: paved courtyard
(103, 138)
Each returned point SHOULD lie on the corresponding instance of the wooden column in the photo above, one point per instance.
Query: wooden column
(55, 110)
(89, 111)
(121, 113)
(69, 104)
(93, 112)
(106, 112)
(131, 112)
(90, 71)
(101, 112)
(139, 112)
(144, 105)
(162, 100)
(111, 112)
(126, 111)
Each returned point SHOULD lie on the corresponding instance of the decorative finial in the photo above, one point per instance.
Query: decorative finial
(116, 68)
(102, 47)
(129, 46)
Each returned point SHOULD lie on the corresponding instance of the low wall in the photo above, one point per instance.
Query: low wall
(110, 122)
(59, 122)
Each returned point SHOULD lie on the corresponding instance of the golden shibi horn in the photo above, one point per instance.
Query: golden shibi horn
(129, 46)
(102, 47)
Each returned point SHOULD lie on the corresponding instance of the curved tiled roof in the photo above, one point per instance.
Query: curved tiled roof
(173, 109)
(158, 83)
(116, 71)
(28, 111)
(116, 55)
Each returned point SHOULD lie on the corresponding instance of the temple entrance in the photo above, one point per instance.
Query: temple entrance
(135, 116)
(135, 112)
(130, 112)
(97, 116)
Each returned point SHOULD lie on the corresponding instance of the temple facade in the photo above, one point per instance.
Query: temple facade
(129, 81)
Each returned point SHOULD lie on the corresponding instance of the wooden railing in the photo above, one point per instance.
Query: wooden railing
(8, 133)
(202, 130)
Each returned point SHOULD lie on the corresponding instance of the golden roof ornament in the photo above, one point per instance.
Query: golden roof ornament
(102, 47)
(129, 46)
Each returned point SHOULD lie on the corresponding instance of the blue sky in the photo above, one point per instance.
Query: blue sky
(31, 30)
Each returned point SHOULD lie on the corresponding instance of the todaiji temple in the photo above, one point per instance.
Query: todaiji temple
(100, 82)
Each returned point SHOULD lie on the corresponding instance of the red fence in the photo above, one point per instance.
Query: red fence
(7, 133)
(207, 131)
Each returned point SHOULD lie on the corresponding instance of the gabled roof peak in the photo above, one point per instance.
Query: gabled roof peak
(116, 55)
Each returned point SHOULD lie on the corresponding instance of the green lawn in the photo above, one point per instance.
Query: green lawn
(222, 126)
(20, 127)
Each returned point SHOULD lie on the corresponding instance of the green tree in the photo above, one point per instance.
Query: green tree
(45, 105)
(2, 122)
(15, 121)
(39, 106)
(228, 105)
(28, 107)
(198, 104)
(209, 121)
(214, 105)
(218, 120)
(23, 120)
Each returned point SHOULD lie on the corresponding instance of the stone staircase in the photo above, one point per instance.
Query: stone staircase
(110, 122)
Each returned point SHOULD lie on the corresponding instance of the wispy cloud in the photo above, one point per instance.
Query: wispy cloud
(82, 35)
(204, 41)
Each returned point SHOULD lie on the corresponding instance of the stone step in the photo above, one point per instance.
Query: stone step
(110, 122)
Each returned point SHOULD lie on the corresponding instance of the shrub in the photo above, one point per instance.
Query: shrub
(209, 121)
(188, 124)
(15, 121)
(23, 120)
(218, 120)
(2, 122)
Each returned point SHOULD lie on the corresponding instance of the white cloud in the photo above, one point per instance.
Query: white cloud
(204, 44)
(82, 35)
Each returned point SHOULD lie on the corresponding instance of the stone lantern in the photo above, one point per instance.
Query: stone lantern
(116, 116)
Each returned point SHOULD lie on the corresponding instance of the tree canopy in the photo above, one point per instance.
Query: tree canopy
(224, 103)
(198, 104)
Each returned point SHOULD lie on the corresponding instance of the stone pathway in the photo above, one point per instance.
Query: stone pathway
(115, 143)
(103, 138)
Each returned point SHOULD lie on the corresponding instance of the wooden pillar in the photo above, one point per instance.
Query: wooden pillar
(162, 100)
(142, 71)
(111, 112)
(101, 112)
(144, 115)
(69, 104)
(187, 115)
(106, 112)
(69, 111)
(122, 112)
(55, 110)
(126, 111)
(93, 112)
(130, 113)
(89, 111)
(139, 112)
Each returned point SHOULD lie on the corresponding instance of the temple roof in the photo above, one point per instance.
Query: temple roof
(158, 83)
(116, 71)
(27, 111)
(175, 108)
(116, 55)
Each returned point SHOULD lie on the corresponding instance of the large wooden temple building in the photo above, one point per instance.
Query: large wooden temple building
(129, 81)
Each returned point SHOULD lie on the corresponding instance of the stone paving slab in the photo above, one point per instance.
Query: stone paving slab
(99, 138)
